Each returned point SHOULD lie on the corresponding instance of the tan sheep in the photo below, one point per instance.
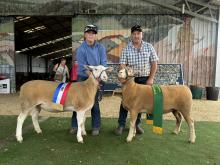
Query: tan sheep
(37, 95)
(138, 98)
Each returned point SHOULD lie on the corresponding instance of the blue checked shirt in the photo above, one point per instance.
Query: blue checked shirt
(139, 59)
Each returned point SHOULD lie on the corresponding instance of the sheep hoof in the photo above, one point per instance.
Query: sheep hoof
(39, 131)
(84, 133)
(81, 142)
(80, 139)
(175, 132)
(19, 139)
(192, 141)
(192, 138)
(129, 140)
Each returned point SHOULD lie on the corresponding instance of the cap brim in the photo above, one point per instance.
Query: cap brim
(91, 31)
(139, 30)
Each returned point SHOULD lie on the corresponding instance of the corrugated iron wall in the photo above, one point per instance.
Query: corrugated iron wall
(193, 44)
(71, 7)
(177, 39)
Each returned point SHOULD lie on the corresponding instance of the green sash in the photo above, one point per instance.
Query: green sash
(157, 117)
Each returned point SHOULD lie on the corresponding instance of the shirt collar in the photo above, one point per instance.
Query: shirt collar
(132, 46)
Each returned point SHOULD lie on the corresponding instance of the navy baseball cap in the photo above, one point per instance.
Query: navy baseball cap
(136, 28)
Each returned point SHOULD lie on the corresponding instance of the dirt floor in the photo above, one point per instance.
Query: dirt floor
(202, 110)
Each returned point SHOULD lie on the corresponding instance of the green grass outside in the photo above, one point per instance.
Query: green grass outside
(56, 146)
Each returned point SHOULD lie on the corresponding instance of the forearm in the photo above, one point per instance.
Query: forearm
(67, 72)
(55, 68)
(153, 69)
(68, 75)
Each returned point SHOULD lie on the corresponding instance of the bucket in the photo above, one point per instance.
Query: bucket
(196, 92)
(212, 93)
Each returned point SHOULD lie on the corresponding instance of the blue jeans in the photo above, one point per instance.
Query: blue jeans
(123, 112)
(95, 112)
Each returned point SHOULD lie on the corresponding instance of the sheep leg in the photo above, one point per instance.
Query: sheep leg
(179, 118)
(80, 118)
(190, 122)
(132, 129)
(83, 126)
(34, 114)
(20, 120)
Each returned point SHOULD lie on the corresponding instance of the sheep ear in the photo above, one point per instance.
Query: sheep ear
(128, 68)
(130, 71)
(109, 69)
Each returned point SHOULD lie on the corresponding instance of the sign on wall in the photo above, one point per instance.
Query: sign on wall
(5, 86)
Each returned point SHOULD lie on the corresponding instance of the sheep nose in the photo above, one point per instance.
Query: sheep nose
(105, 77)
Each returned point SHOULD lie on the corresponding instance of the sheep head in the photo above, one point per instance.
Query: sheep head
(99, 72)
(125, 73)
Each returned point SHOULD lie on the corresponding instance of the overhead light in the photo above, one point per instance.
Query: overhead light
(29, 31)
(35, 29)
(25, 49)
(18, 19)
(57, 51)
(46, 43)
(40, 27)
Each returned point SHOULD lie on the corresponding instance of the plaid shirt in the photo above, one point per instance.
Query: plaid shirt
(139, 59)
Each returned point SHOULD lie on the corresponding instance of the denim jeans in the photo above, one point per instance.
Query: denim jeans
(123, 112)
(95, 112)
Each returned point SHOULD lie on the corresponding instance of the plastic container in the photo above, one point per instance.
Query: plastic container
(196, 91)
(212, 93)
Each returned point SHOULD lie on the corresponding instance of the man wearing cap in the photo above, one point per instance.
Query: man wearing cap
(141, 57)
(92, 53)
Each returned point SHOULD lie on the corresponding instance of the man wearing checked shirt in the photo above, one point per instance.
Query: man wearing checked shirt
(141, 57)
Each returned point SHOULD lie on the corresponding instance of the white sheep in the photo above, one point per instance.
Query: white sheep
(37, 95)
(138, 98)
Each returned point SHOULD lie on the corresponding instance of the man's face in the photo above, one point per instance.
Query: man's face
(90, 36)
(136, 36)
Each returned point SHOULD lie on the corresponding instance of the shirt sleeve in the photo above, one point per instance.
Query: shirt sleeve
(123, 58)
(81, 59)
(103, 55)
(153, 56)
